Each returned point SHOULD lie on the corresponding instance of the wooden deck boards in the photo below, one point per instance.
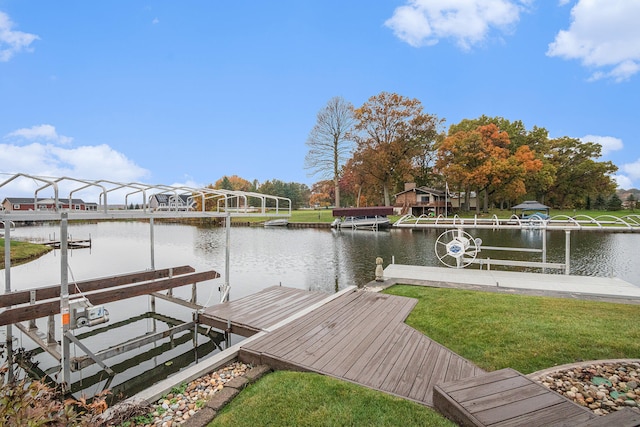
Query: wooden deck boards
(256, 312)
(506, 398)
(361, 337)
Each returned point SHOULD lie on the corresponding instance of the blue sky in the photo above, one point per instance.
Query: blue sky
(168, 92)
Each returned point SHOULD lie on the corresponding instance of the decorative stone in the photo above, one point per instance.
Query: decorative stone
(603, 388)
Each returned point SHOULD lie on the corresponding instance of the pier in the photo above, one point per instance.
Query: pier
(356, 336)
(71, 244)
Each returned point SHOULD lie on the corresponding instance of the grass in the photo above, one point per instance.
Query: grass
(306, 215)
(22, 252)
(309, 399)
(525, 333)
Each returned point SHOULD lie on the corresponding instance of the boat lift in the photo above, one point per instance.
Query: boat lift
(86, 310)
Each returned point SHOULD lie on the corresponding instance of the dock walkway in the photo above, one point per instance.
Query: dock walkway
(361, 337)
(257, 312)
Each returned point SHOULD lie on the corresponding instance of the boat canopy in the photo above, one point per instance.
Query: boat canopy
(366, 211)
(531, 205)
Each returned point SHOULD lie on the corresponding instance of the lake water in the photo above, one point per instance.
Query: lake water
(313, 259)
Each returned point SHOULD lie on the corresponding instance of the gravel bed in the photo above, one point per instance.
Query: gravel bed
(175, 408)
(601, 387)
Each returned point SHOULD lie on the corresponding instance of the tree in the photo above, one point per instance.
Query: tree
(328, 142)
(600, 203)
(298, 193)
(235, 183)
(578, 173)
(322, 193)
(614, 203)
(392, 134)
(480, 159)
(537, 139)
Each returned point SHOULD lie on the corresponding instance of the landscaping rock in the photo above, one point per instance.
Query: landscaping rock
(603, 388)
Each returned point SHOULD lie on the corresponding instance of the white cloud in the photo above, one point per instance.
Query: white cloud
(605, 35)
(155, 21)
(632, 169)
(48, 159)
(11, 41)
(84, 162)
(623, 182)
(608, 143)
(40, 132)
(468, 22)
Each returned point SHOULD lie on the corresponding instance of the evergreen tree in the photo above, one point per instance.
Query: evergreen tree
(614, 203)
(600, 203)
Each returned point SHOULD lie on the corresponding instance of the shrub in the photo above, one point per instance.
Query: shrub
(33, 403)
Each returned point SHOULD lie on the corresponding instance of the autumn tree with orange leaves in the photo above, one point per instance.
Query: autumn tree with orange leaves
(481, 160)
(392, 134)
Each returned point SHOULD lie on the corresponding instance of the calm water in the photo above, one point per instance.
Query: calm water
(313, 259)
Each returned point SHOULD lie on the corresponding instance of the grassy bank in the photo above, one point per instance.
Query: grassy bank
(526, 333)
(22, 252)
(308, 399)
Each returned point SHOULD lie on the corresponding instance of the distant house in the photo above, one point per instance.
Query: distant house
(422, 201)
(180, 202)
(11, 204)
(458, 201)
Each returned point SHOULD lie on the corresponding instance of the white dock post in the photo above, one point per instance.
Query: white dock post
(567, 252)
(224, 297)
(7, 289)
(152, 243)
(64, 302)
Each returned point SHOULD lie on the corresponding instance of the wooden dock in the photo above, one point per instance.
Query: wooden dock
(257, 312)
(71, 244)
(359, 337)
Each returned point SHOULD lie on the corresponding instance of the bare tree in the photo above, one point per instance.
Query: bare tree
(328, 142)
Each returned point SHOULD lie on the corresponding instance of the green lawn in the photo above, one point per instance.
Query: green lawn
(525, 333)
(309, 399)
(22, 252)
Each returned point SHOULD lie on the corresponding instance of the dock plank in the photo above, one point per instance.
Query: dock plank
(414, 365)
(345, 340)
(330, 329)
(370, 352)
(420, 388)
(261, 310)
(506, 398)
(287, 340)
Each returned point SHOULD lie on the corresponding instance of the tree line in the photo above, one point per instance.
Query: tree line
(365, 155)
(299, 194)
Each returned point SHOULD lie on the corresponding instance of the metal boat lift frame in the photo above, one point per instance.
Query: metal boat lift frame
(224, 201)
